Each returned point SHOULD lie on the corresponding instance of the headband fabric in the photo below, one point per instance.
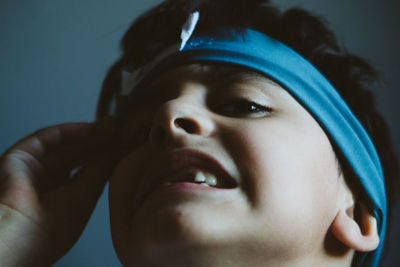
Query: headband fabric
(256, 51)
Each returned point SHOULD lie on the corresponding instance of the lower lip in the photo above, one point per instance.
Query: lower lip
(181, 191)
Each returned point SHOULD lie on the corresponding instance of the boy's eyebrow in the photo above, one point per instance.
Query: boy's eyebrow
(242, 76)
(230, 74)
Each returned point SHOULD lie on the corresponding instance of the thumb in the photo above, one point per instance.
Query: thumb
(88, 183)
(71, 205)
(79, 196)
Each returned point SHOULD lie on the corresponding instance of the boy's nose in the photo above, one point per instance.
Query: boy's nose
(179, 121)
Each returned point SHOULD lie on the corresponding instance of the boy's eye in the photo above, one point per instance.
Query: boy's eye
(242, 108)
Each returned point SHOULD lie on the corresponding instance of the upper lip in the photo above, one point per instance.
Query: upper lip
(176, 161)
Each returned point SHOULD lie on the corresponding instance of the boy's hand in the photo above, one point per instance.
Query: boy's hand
(43, 207)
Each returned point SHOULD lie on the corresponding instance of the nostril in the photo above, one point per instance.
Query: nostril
(187, 125)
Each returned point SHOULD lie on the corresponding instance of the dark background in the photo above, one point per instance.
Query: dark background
(55, 53)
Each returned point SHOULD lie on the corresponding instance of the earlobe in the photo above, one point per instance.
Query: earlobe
(358, 233)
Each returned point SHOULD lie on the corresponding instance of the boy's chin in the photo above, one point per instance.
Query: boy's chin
(185, 218)
(161, 239)
(179, 227)
(190, 223)
(173, 242)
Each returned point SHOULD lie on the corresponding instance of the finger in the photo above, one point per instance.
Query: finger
(69, 207)
(71, 157)
(61, 167)
(20, 171)
(78, 152)
(42, 141)
(60, 145)
(26, 155)
(90, 180)
(67, 135)
(76, 200)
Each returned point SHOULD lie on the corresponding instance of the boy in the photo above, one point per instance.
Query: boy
(226, 160)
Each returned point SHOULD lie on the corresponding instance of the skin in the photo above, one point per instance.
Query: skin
(289, 204)
(290, 185)
(43, 207)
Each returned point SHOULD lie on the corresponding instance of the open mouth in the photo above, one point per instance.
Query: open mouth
(190, 166)
(187, 168)
(201, 177)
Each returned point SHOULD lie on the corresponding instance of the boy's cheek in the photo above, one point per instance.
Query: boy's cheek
(125, 183)
(122, 192)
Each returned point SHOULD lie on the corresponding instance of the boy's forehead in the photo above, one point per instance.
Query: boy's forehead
(219, 75)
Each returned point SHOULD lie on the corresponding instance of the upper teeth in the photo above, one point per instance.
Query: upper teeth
(205, 179)
(202, 178)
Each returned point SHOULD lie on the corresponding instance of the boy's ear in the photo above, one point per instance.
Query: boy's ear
(358, 231)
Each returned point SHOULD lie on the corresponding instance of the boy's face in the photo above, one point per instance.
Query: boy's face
(278, 184)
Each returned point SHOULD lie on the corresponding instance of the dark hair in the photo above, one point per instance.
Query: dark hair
(160, 27)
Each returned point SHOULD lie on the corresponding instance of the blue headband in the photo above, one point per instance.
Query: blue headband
(256, 51)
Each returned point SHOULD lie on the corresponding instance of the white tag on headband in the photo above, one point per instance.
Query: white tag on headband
(130, 80)
(188, 28)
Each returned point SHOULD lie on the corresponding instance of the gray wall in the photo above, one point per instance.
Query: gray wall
(54, 54)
